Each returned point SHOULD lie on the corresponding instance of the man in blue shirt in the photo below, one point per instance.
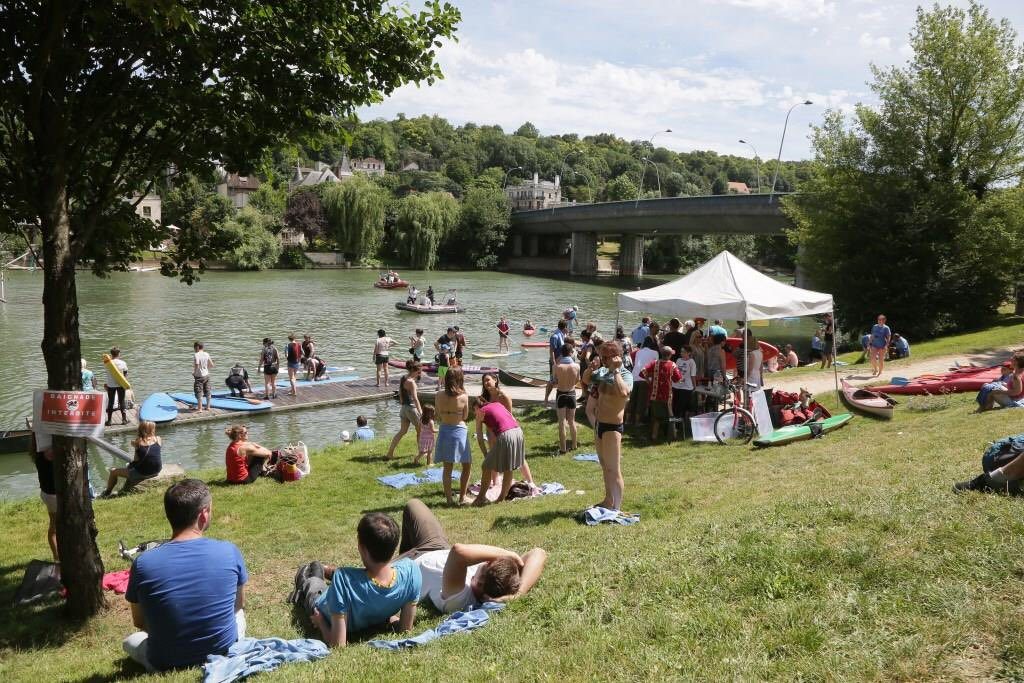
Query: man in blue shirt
(343, 599)
(187, 594)
(640, 332)
(555, 343)
(717, 328)
(363, 433)
(879, 345)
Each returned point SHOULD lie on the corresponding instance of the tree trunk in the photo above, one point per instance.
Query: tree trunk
(81, 566)
(1018, 308)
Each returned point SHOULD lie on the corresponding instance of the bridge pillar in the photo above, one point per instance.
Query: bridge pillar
(631, 256)
(583, 258)
(517, 245)
(532, 245)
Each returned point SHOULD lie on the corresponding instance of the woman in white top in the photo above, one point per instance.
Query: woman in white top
(755, 360)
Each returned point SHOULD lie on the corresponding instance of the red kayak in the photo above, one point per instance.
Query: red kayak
(431, 368)
(954, 381)
(529, 332)
(534, 345)
(767, 350)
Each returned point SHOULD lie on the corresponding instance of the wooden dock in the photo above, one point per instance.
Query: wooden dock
(521, 396)
(315, 396)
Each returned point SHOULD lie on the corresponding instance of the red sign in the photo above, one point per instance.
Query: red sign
(70, 413)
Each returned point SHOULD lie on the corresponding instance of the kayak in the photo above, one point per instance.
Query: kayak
(529, 332)
(868, 401)
(534, 345)
(158, 407)
(954, 381)
(429, 309)
(784, 435)
(514, 379)
(485, 354)
(395, 284)
(431, 368)
(767, 350)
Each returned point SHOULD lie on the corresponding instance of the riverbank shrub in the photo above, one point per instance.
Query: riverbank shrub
(354, 214)
(422, 222)
(482, 229)
(257, 248)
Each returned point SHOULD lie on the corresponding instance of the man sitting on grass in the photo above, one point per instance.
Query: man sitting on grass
(360, 597)
(187, 594)
(458, 576)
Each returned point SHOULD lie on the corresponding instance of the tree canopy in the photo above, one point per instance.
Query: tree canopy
(909, 207)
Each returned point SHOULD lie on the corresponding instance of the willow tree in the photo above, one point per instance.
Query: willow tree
(355, 210)
(422, 221)
(99, 99)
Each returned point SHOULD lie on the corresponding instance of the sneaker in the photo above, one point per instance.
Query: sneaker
(979, 483)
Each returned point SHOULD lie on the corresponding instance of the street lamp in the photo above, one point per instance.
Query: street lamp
(757, 160)
(778, 160)
(643, 167)
(505, 181)
(657, 173)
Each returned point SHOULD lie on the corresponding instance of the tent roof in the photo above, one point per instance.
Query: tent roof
(726, 288)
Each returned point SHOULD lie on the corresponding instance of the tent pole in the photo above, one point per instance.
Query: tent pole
(746, 350)
(835, 368)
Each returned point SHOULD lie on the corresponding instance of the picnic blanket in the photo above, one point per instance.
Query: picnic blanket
(586, 457)
(403, 479)
(599, 515)
(456, 623)
(520, 490)
(252, 656)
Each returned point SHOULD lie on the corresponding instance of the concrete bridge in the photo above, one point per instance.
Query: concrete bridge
(553, 238)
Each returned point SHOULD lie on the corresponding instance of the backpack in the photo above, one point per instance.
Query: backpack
(1002, 452)
(270, 359)
(294, 352)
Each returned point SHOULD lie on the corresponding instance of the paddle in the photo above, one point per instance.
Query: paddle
(251, 401)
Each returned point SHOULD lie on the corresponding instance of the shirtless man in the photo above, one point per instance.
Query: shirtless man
(567, 375)
(615, 385)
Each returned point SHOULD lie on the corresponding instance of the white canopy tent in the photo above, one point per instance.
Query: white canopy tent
(727, 288)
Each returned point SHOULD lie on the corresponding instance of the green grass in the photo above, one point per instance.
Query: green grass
(608, 249)
(843, 558)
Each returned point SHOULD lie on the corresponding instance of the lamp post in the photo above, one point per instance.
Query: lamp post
(505, 181)
(778, 160)
(757, 161)
(643, 167)
(657, 173)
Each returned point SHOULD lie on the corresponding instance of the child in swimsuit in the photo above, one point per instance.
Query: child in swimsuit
(427, 433)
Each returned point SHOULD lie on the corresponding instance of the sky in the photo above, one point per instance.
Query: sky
(712, 71)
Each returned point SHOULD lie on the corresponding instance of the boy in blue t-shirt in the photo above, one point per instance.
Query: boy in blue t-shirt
(343, 599)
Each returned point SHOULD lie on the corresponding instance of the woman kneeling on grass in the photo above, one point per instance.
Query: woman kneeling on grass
(147, 462)
(244, 460)
(452, 443)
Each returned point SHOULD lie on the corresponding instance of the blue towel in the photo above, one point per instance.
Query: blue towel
(586, 457)
(251, 656)
(403, 479)
(598, 515)
(552, 487)
(456, 623)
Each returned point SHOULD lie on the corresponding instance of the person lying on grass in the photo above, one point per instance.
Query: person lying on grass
(186, 595)
(456, 577)
(340, 600)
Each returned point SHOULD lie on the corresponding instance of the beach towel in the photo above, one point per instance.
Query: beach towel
(456, 623)
(519, 490)
(116, 581)
(403, 479)
(599, 515)
(252, 656)
(586, 457)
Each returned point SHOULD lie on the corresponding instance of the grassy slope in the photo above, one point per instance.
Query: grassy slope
(846, 558)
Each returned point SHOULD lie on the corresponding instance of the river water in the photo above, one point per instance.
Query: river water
(154, 321)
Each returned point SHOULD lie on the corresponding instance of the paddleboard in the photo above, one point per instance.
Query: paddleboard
(485, 354)
(115, 373)
(158, 407)
(784, 435)
(306, 383)
(534, 345)
(224, 402)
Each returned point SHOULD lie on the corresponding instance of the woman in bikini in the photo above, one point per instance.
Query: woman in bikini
(452, 443)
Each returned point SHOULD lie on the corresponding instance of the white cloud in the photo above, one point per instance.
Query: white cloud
(870, 42)
(794, 10)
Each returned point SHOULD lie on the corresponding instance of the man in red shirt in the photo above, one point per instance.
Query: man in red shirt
(660, 375)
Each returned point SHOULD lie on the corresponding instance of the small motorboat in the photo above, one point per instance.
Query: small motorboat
(867, 401)
(390, 280)
(514, 379)
(423, 305)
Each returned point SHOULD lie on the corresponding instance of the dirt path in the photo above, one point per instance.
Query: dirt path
(821, 381)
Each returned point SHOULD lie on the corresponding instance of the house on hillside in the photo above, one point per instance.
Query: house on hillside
(370, 166)
(411, 166)
(737, 188)
(535, 194)
(237, 188)
(310, 177)
(148, 207)
(291, 237)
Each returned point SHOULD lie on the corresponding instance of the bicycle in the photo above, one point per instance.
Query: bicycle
(736, 423)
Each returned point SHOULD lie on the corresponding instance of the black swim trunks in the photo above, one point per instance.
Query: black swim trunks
(603, 427)
(565, 399)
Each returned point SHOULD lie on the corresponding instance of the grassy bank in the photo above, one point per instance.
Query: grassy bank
(844, 558)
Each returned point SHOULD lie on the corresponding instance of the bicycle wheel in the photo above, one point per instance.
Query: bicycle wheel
(735, 426)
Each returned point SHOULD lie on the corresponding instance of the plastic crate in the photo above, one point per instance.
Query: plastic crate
(703, 426)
